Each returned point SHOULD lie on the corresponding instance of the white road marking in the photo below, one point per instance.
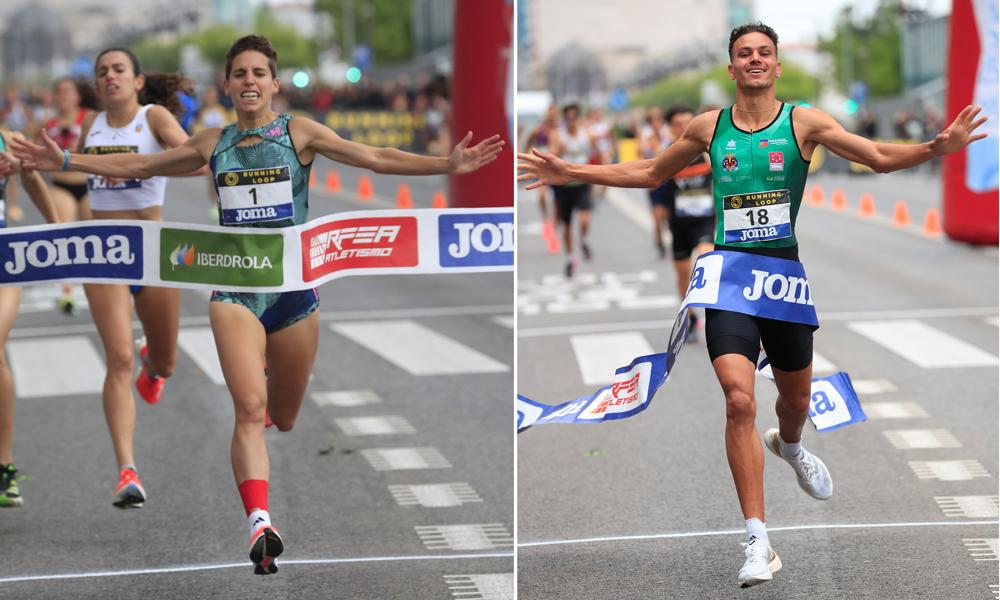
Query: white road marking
(648, 302)
(244, 565)
(922, 344)
(894, 410)
(577, 306)
(489, 586)
(993, 321)
(44, 297)
(434, 495)
(417, 349)
(599, 355)
(486, 536)
(983, 549)
(389, 425)
(821, 364)
(948, 470)
(873, 386)
(531, 228)
(637, 212)
(742, 532)
(346, 398)
(969, 506)
(995, 590)
(507, 322)
(405, 459)
(64, 366)
(199, 344)
(909, 439)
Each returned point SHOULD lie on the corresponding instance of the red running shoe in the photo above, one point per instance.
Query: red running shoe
(129, 493)
(150, 387)
(265, 546)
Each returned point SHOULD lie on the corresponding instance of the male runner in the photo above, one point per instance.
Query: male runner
(685, 201)
(759, 145)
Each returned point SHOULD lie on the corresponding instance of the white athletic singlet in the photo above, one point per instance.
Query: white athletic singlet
(136, 137)
(576, 147)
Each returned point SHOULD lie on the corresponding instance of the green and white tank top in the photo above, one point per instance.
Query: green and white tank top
(757, 180)
(263, 184)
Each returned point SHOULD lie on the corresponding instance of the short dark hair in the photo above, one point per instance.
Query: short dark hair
(757, 27)
(677, 109)
(569, 107)
(257, 43)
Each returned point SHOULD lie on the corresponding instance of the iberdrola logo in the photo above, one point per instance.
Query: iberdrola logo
(182, 256)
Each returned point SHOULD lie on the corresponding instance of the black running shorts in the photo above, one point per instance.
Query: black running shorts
(570, 198)
(688, 233)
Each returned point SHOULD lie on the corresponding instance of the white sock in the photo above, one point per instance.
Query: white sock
(127, 466)
(790, 452)
(756, 532)
(257, 519)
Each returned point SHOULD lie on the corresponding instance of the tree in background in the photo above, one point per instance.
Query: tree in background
(384, 25)
(868, 49)
(794, 84)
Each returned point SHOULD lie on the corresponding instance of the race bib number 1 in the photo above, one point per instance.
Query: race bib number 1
(757, 216)
(255, 195)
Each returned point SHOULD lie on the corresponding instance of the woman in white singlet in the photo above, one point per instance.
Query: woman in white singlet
(139, 117)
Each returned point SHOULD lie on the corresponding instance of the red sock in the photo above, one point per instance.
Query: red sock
(253, 492)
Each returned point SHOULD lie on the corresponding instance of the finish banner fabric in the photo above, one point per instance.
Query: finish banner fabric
(755, 285)
(184, 255)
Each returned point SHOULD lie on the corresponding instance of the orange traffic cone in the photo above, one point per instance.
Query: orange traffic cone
(837, 200)
(900, 215)
(816, 199)
(332, 182)
(404, 199)
(365, 192)
(867, 206)
(439, 200)
(932, 223)
(312, 180)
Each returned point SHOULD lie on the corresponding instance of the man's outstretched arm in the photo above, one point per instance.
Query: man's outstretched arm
(822, 129)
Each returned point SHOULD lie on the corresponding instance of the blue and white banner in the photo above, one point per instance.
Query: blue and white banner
(746, 283)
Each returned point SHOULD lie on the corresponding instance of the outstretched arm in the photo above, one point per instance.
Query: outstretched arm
(30, 180)
(188, 157)
(547, 169)
(315, 138)
(822, 129)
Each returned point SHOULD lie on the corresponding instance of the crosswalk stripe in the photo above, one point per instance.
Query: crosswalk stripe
(487, 586)
(968, 506)
(873, 386)
(417, 349)
(405, 459)
(948, 470)
(911, 439)
(981, 549)
(434, 495)
(922, 344)
(389, 425)
(599, 355)
(60, 366)
(894, 410)
(487, 536)
(346, 398)
(199, 344)
(822, 364)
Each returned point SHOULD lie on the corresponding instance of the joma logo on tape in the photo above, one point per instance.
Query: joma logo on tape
(74, 250)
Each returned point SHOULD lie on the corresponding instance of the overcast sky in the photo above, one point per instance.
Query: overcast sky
(801, 21)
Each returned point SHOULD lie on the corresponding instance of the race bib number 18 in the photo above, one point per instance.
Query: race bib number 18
(757, 216)
(255, 195)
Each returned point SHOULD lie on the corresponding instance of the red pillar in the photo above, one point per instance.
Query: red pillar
(968, 216)
(479, 88)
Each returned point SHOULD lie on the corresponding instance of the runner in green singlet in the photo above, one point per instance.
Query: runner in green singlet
(760, 148)
(281, 328)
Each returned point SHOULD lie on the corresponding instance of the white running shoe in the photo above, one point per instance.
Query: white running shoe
(761, 565)
(814, 478)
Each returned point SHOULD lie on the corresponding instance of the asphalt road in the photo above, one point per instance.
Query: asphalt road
(395, 483)
(645, 507)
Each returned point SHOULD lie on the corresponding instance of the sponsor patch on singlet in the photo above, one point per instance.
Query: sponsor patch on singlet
(255, 195)
(757, 216)
(96, 182)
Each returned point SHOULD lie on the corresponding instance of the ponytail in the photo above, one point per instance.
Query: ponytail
(162, 88)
